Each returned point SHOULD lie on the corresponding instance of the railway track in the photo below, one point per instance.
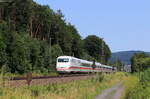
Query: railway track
(47, 77)
(45, 80)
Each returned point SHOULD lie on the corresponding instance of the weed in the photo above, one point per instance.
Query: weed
(1, 92)
(35, 92)
(138, 86)
(83, 89)
(98, 78)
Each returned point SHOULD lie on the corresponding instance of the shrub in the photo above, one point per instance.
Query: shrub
(138, 87)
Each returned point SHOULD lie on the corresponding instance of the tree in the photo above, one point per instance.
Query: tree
(56, 52)
(107, 53)
(93, 46)
(145, 63)
(3, 55)
(86, 56)
(76, 42)
(136, 61)
(25, 32)
(118, 64)
(17, 52)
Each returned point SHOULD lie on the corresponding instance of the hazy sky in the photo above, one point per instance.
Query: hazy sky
(124, 24)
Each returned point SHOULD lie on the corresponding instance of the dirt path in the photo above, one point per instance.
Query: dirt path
(112, 93)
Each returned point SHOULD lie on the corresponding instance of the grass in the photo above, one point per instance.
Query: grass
(129, 83)
(135, 88)
(83, 89)
(34, 74)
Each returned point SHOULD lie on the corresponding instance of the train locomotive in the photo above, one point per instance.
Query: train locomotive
(69, 64)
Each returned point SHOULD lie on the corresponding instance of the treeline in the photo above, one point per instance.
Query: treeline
(32, 36)
(140, 62)
(118, 64)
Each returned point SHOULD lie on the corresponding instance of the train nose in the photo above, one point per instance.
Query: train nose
(61, 68)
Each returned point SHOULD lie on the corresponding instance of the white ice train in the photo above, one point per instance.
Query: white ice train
(69, 64)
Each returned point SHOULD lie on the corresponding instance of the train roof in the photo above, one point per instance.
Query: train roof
(64, 57)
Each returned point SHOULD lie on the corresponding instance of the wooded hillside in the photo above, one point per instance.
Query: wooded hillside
(32, 36)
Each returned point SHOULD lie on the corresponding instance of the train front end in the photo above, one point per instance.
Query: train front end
(63, 64)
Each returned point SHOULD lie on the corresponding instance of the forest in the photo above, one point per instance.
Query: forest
(32, 36)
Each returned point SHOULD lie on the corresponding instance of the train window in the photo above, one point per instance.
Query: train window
(63, 60)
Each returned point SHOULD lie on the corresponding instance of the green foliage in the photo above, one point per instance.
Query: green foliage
(27, 30)
(22, 53)
(139, 62)
(118, 64)
(146, 76)
(35, 91)
(3, 55)
(86, 56)
(18, 54)
(56, 51)
(139, 89)
(145, 63)
(97, 48)
(92, 45)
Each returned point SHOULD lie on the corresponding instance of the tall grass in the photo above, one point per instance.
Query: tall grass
(83, 89)
(138, 86)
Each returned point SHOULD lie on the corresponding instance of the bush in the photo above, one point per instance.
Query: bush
(138, 87)
(146, 76)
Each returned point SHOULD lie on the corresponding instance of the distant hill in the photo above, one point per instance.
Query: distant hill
(125, 56)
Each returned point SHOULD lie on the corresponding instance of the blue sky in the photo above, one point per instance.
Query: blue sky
(124, 24)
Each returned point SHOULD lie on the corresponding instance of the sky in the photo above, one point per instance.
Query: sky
(124, 24)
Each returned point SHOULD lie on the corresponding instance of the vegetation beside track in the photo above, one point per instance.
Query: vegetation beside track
(84, 89)
(34, 74)
(137, 86)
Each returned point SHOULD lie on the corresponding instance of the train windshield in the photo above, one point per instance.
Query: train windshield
(63, 60)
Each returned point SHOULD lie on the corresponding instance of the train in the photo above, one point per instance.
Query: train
(70, 64)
